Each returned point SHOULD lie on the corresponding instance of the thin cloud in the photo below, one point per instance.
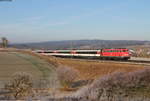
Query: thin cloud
(34, 18)
(58, 23)
(22, 22)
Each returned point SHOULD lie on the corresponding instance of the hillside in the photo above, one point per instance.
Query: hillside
(80, 44)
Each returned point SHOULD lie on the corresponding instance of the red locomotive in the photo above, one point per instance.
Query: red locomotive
(112, 53)
(121, 53)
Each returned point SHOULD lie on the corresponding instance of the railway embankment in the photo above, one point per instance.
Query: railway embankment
(140, 59)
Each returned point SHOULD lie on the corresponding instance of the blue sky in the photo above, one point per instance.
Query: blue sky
(47, 20)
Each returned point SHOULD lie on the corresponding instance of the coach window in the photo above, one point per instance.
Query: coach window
(64, 52)
(108, 51)
(114, 50)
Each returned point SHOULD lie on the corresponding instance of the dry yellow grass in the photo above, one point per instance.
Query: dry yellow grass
(52, 60)
(94, 69)
(90, 69)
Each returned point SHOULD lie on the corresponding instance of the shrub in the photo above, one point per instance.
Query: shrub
(66, 75)
(20, 85)
(117, 85)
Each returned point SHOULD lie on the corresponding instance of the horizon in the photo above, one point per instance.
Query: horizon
(74, 40)
(33, 21)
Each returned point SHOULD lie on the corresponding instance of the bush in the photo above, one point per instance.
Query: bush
(20, 85)
(117, 85)
(66, 75)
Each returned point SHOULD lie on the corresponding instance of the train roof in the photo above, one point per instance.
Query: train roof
(115, 49)
(71, 50)
(83, 50)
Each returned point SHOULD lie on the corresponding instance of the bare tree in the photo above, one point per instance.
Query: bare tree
(66, 75)
(20, 85)
(4, 42)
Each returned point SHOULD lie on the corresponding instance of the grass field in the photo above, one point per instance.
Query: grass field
(40, 68)
(43, 68)
(12, 62)
(90, 69)
(94, 69)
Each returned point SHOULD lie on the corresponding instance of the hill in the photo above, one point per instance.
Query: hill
(81, 44)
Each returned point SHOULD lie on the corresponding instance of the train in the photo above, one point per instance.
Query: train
(108, 53)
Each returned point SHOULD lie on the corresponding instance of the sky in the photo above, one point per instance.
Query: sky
(23, 21)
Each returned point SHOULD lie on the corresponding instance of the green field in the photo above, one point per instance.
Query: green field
(12, 62)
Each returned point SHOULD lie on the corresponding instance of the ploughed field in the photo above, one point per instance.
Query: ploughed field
(12, 62)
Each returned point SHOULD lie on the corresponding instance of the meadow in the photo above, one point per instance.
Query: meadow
(13, 62)
(90, 74)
